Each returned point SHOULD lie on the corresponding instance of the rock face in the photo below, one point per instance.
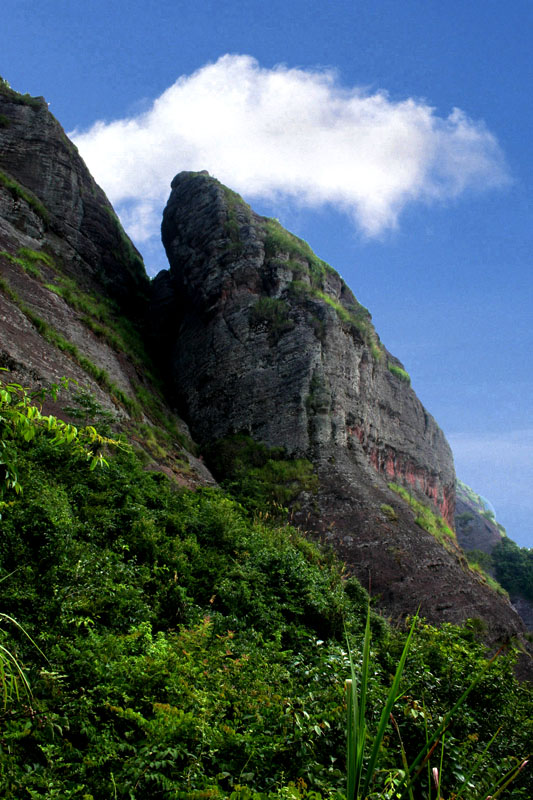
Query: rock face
(272, 348)
(478, 531)
(56, 226)
(266, 339)
(255, 334)
(475, 524)
(73, 289)
(67, 208)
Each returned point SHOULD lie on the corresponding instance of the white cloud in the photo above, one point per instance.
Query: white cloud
(293, 134)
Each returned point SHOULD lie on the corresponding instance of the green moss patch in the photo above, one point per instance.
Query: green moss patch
(425, 517)
(273, 312)
(398, 372)
(19, 192)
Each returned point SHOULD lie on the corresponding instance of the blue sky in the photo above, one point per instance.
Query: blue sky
(353, 143)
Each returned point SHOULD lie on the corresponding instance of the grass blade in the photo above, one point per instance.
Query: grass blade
(385, 714)
(356, 702)
(508, 778)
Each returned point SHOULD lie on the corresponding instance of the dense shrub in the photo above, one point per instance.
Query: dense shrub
(193, 648)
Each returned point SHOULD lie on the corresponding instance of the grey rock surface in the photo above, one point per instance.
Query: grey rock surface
(73, 288)
(265, 339)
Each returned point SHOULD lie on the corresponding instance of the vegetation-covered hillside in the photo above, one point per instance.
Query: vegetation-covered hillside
(184, 645)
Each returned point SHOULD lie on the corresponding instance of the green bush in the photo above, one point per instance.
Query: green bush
(263, 479)
(17, 98)
(273, 312)
(513, 568)
(399, 372)
(301, 257)
(197, 650)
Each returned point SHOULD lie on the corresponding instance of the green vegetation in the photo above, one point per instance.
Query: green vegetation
(426, 518)
(354, 315)
(474, 497)
(302, 260)
(362, 772)
(102, 317)
(21, 420)
(399, 372)
(513, 568)
(263, 479)
(273, 312)
(234, 202)
(29, 261)
(389, 512)
(49, 333)
(5, 122)
(16, 97)
(304, 264)
(486, 578)
(196, 650)
(484, 560)
(501, 528)
(508, 568)
(438, 528)
(20, 193)
(465, 518)
(126, 254)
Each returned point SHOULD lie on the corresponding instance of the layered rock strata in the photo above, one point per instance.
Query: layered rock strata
(56, 226)
(74, 293)
(266, 339)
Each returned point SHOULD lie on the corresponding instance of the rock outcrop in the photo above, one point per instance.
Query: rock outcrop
(255, 335)
(74, 293)
(54, 218)
(475, 523)
(266, 339)
(479, 535)
(52, 197)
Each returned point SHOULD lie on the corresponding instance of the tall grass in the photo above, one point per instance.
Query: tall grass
(360, 771)
(362, 768)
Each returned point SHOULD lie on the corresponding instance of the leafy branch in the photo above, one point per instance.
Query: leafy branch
(22, 419)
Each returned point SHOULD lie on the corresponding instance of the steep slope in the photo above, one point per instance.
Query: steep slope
(264, 338)
(73, 289)
(487, 545)
(475, 524)
(255, 334)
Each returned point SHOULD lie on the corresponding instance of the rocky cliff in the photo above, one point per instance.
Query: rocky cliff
(475, 523)
(486, 544)
(253, 334)
(266, 339)
(73, 289)
(57, 226)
